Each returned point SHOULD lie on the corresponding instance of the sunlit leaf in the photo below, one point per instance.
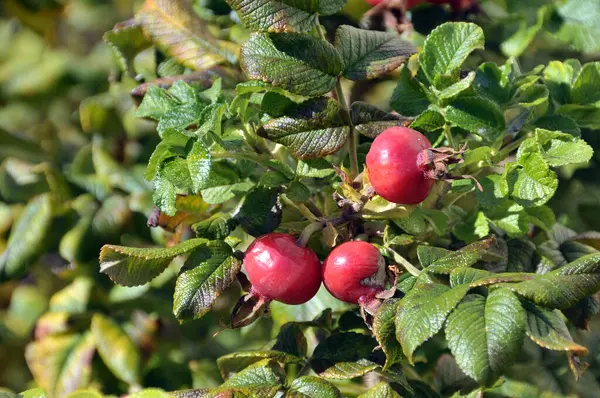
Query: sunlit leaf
(116, 349)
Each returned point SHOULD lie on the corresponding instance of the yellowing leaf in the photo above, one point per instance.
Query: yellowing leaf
(173, 25)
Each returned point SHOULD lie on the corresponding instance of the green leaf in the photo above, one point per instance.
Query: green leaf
(380, 390)
(585, 87)
(19, 147)
(558, 149)
(291, 340)
(586, 116)
(422, 313)
(368, 54)
(429, 121)
(371, 121)
(231, 364)
(284, 15)
(85, 394)
(224, 183)
(32, 393)
(172, 145)
(580, 27)
(491, 83)
(565, 286)
(260, 211)
(485, 335)
(129, 266)
(332, 360)
(464, 276)
(548, 329)
(27, 237)
(447, 47)
(438, 220)
(455, 89)
(27, 304)
(258, 86)
(199, 164)
(349, 370)
(558, 77)
(156, 103)
(298, 192)
(410, 96)
(150, 393)
(466, 257)
(384, 330)
(174, 27)
(313, 129)
(477, 115)
(312, 387)
(476, 227)
(207, 273)
(531, 183)
(556, 122)
(518, 43)
(216, 227)
(116, 349)
(73, 298)
(520, 255)
(126, 42)
(61, 364)
(262, 374)
(428, 254)
(301, 64)
(314, 168)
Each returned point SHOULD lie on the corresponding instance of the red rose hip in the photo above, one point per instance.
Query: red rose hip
(393, 168)
(281, 270)
(354, 272)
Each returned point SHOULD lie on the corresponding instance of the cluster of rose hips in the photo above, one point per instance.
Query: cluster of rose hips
(402, 168)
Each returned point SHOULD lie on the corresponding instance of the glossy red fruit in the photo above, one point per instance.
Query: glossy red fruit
(393, 169)
(354, 272)
(281, 270)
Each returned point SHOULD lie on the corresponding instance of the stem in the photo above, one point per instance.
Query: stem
(503, 154)
(402, 261)
(309, 231)
(448, 134)
(354, 170)
(321, 31)
(304, 370)
(319, 225)
(305, 211)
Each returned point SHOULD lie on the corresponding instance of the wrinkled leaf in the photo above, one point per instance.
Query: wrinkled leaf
(208, 271)
(485, 335)
(422, 313)
(301, 64)
(129, 266)
(369, 54)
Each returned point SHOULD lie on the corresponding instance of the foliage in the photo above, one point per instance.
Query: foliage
(139, 162)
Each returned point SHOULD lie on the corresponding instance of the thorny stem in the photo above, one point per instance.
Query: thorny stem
(405, 263)
(354, 170)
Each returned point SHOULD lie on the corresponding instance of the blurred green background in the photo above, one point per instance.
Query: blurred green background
(72, 158)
